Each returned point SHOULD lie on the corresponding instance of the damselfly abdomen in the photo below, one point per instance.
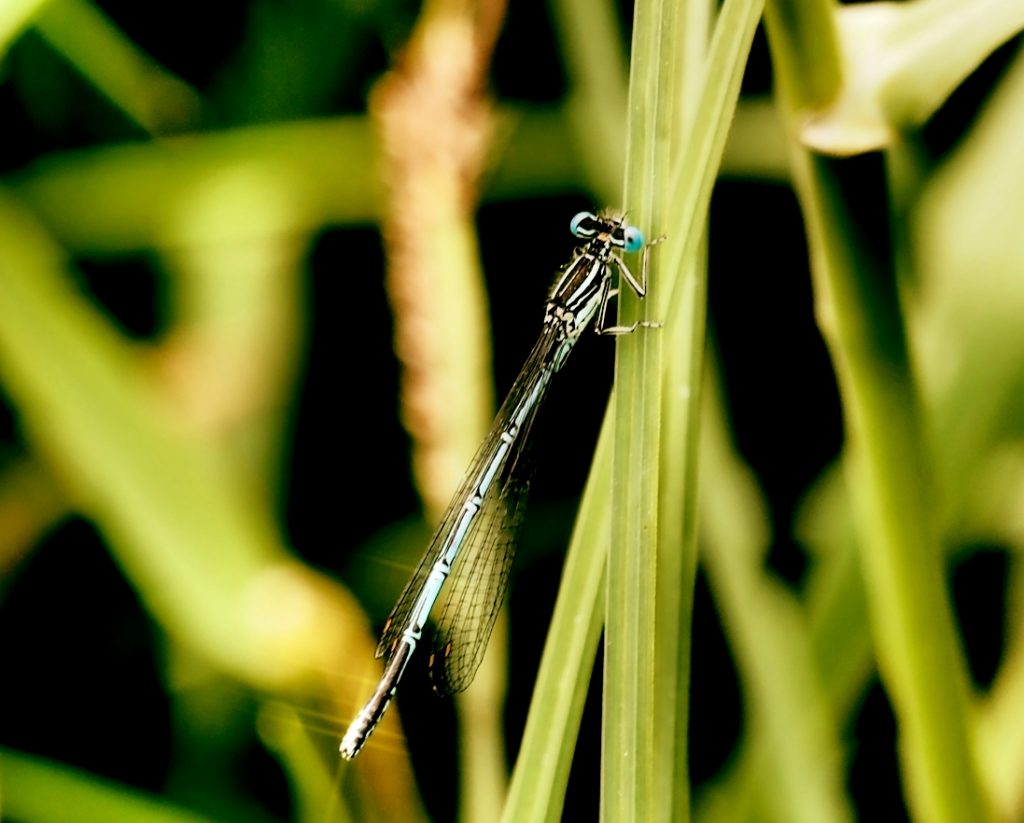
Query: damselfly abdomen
(464, 572)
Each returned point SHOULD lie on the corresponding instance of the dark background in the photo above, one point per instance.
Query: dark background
(86, 686)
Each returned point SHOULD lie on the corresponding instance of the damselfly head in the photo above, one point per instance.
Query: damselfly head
(611, 229)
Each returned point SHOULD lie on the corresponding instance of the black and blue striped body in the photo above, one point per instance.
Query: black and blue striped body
(468, 560)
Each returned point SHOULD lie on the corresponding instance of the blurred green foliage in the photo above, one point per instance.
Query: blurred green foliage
(196, 369)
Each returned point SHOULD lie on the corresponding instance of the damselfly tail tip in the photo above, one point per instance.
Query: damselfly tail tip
(351, 743)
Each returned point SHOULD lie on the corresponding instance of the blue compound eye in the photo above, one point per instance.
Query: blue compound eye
(576, 222)
(632, 239)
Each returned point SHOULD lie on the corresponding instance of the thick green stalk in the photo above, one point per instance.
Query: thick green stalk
(539, 780)
(645, 647)
(630, 705)
(48, 792)
(677, 527)
(892, 481)
(537, 790)
(891, 476)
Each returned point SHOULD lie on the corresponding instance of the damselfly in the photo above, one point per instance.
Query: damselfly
(464, 572)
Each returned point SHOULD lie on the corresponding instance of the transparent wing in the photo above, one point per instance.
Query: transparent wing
(470, 602)
(532, 380)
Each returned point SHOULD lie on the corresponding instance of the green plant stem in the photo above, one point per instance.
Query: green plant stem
(145, 188)
(46, 792)
(630, 706)
(890, 471)
(711, 97)
(592, 48)
(791, 734)
(15, 15)
(537, 789)
(146, 92)
(931, 47)
(891, 475)
(175, 516)
(677, 522)
(642, 640)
